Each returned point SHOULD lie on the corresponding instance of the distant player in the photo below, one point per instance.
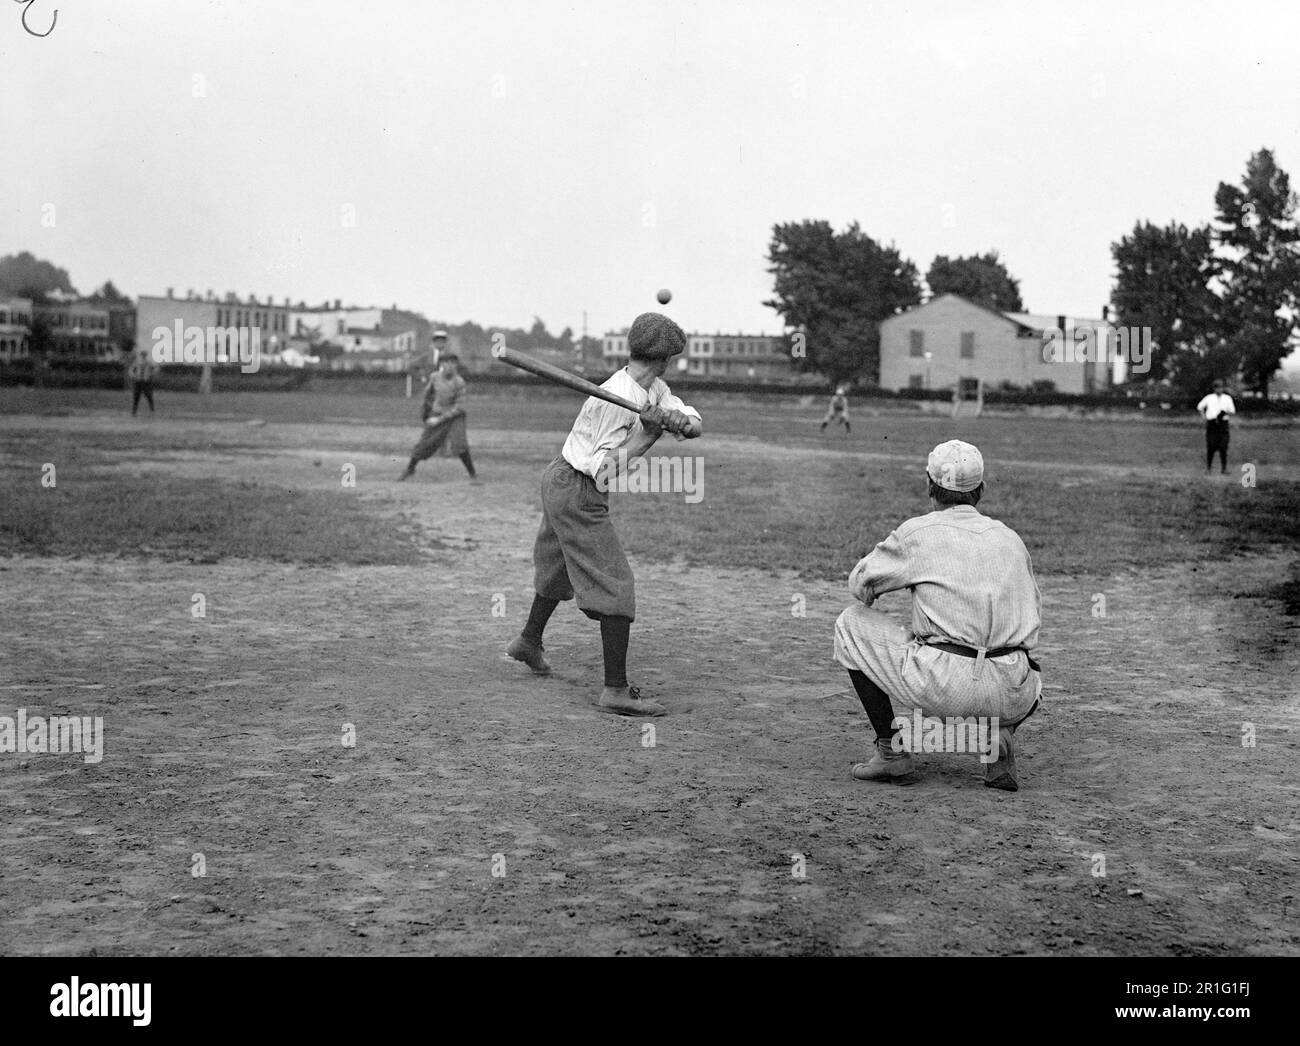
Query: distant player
(976, 611)
(1216, 408)
(577, 552)
(839, 409)
(140, 373)
(443, 413)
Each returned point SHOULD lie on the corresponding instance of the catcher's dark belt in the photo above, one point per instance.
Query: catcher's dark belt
(970, 651)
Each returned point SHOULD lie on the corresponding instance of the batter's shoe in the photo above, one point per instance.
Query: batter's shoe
(529, 653)
(1002, 773)
(628, 701)
(885, 765)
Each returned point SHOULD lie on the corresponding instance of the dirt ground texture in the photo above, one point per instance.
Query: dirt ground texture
(485, 811)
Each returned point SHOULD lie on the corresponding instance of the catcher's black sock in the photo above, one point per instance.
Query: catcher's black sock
(469, 464)
(410, 466)
(848, 427)
(540, 613)
(614, 635)
(875, 702)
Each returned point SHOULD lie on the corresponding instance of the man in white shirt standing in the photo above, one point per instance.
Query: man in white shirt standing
(1215, 409)
(577, 552)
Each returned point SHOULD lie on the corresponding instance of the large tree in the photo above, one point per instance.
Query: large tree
(1261, 268)
(27, 276)
(1163, 280)
(981, 278)
(833, 289)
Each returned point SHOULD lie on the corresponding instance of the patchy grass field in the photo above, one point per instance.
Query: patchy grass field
(383, 608)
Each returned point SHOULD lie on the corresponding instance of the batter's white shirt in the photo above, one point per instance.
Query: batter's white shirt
(1216, 403)
(600, 426)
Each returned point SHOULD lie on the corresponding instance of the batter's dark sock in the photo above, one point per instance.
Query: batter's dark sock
(541, 613)
(614, 635)
(875, 702)
(469, 464)
(410, 466)
(847, 427)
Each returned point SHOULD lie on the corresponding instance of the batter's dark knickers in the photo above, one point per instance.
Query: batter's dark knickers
(577, 553)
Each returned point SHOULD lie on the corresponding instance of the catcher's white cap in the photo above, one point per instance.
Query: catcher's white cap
(440, 334)
(956, 466)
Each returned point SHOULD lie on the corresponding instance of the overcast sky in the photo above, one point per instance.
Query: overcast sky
(505, 160)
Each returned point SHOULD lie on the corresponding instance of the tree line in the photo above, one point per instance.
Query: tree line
(1220, 299)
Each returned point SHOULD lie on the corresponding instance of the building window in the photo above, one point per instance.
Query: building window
(968, 345)
(917, 347)
(916, 381)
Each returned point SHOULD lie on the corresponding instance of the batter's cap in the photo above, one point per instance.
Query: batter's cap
(440, 334)
(653, 336)
(956, 466)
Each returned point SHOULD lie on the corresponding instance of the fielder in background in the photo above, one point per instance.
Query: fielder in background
(1215, 409)
(839, 409)
(975, 616)
(443, 414)
(140, 373)
(577, 552)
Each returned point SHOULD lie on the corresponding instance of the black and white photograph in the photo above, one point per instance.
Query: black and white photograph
(685, 478)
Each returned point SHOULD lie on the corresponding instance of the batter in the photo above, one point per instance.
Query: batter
(577, 553)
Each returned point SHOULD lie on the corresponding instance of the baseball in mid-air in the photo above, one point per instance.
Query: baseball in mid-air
(665, 296)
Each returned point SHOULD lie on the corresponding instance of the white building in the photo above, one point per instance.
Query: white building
(719, 355)
(15, 329)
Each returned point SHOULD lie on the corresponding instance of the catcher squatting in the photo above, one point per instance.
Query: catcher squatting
(976, 607)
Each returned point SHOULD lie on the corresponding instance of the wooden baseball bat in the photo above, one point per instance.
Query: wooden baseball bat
(562, 377)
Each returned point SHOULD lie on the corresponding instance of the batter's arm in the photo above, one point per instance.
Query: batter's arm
(640, 438)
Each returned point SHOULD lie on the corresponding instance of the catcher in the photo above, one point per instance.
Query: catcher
(443, 415)
(975, 616)
(577, 552)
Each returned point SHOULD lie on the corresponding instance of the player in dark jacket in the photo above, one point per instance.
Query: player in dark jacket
(443, 415)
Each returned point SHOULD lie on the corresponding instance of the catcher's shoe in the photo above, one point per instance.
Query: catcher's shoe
(1002, 773)
(628, 701)
(530, 654)
(885, 765)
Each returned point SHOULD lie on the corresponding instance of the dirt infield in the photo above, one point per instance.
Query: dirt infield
(482, 811)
